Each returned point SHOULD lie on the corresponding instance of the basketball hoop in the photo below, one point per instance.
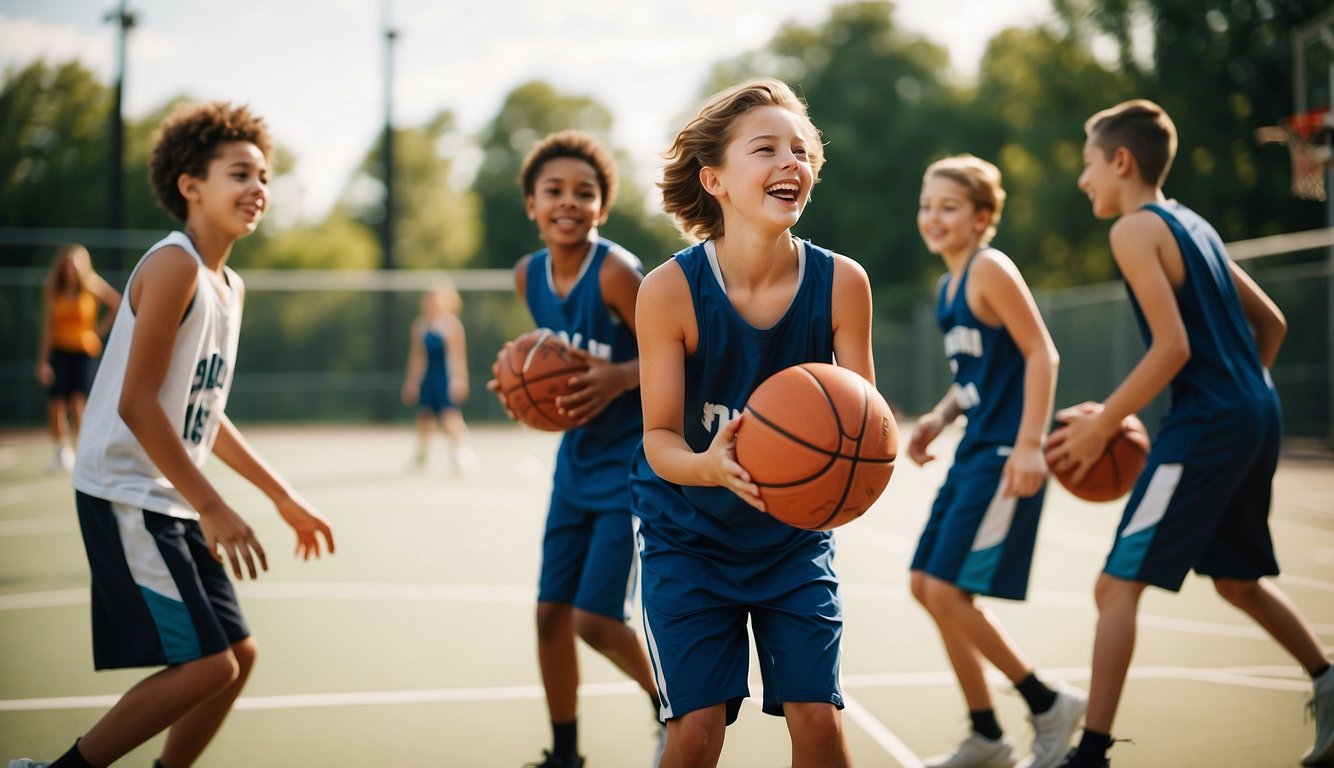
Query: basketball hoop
(1308, 145)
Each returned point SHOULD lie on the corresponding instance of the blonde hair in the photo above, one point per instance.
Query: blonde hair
(703, 142)
(83, 266)
(980, 178)
(447, 296)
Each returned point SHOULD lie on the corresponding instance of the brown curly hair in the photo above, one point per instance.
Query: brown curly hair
(189, 140)
(572, 144)
(703, 142)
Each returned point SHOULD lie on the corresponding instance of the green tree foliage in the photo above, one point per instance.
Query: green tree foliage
(436, 223)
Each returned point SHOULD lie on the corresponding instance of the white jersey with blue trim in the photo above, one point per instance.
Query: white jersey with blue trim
(111, 464)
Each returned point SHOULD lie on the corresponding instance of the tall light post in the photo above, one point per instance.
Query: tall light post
(116, 215)
(387, 398)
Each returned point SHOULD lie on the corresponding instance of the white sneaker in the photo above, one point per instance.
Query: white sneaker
(1322, 705)
(977, 751)
(23, 762)
(61, 461)
(1053, 729)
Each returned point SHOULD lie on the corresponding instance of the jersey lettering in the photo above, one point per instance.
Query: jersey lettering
(967, 396)
(962, 340)
(593, 346)
(209, 374)
(717, 414)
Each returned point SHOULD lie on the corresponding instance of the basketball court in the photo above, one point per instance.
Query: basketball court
(415, 646)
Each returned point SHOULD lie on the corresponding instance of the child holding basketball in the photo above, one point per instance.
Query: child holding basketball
(980, 536)
(1202, 501)
(715, 321)
(436, 380)
(584, 288)
(155, 529)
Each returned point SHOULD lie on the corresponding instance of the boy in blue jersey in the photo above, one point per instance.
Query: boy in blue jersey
(980, 536)
(1202, 501)
(714, 322)
(584, 288)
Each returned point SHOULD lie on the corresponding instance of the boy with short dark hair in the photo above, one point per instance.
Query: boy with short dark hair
(1202, 501)
(155, 529)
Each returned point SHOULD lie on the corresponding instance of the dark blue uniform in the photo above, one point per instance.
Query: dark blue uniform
(1202, 500)
(588, 552)
(976, 538)
(433, 394)
(710, 560)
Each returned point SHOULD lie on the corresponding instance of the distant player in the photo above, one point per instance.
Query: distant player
(157, 534)
(584, 288)
(436, 379)
(979, 539)
(715, 321)
(1202, 501)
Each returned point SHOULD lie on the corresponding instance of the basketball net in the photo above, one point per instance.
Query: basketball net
(1309, 158)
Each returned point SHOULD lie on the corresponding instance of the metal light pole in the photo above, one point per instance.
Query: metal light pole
(387, 398)
(116, 220)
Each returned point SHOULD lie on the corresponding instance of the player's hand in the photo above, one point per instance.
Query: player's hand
(927, 428)
(1024, 473)
(308, 524)
(228, 536)
(727, 472)
(493, 384)
(45, 374)
(1078, 447)
(593, 389)
(410, 394)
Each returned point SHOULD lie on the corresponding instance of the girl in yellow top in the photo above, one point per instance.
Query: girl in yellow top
(71, 337)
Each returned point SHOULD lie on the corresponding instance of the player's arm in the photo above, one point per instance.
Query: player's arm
(521, 290)
(416, 363)
(1266, 319)
(233, 449)
(1140, 241)
(605, 381)
(851, 317)
(45, 373)
(107, 295)
(163, 288)
(1003, 298)
(458, 360)
(667, 328)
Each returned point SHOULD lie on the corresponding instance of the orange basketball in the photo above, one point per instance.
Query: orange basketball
(1114, 473)
(820, 442)
(533, 371)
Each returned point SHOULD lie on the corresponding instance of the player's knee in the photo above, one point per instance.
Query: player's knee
(1237, 591)
(819, 728)
(696, 743)
(213, 673)
(1112, 592)
(917, 583)
(553, 620)
(941, 598)
(598, 631)
(246, 653)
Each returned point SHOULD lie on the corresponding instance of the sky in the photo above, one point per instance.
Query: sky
(315, 69)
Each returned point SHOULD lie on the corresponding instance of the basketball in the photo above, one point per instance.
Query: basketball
(532, 372)
(820, 442)
(1114, 474)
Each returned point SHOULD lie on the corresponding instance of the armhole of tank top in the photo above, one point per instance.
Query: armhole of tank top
(129, 283)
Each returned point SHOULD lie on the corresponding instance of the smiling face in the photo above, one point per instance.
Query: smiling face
(566, 203)
(766, 173)
(948, 220)
(234, 192)
(1099, 180)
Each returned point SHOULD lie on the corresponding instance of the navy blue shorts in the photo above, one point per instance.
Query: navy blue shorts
(976, 539)
(1210, 516)
(71, 371)
(696, 609)
(588, 559)
(158, 597)
(433, 395)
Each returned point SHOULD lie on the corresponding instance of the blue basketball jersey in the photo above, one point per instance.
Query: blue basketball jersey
(988, 371)
(731, 360)
(592, 464)
(1224, 375)
(434, 389)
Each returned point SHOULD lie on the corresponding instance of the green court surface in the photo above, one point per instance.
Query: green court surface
(414, 645)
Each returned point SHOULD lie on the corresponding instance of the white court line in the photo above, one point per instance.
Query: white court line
(880, 733)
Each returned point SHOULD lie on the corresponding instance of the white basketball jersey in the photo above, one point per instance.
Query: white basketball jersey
(111, 464)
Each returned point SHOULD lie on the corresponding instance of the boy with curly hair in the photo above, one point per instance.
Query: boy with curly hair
(155, 529)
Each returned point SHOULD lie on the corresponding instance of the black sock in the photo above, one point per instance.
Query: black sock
(1039, 697)
(984, 722)
(565, 739)
(1093, 748)
(72, 759)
